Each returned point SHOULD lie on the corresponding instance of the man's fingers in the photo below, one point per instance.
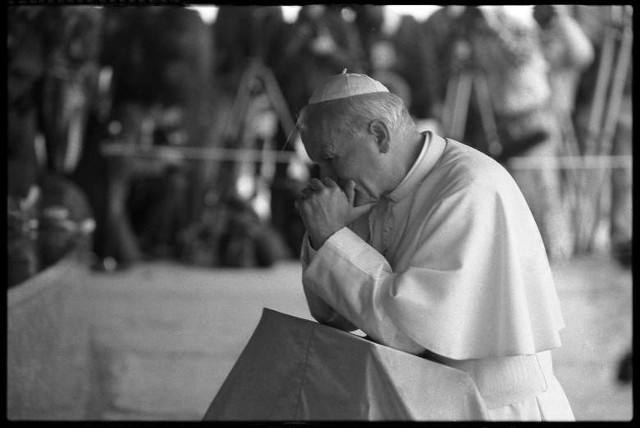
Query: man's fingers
(328, 181)
(306, 192)
(315, 184)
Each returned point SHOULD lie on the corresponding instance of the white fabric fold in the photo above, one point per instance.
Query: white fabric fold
(465, 273)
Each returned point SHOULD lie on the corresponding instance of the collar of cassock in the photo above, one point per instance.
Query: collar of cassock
(432, 149)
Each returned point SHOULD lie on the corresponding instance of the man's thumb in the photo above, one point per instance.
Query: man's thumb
(356, 212)
(350, 191)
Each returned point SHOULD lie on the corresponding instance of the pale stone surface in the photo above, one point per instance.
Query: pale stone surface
(596, 298)
(164, 336)
(47, 345)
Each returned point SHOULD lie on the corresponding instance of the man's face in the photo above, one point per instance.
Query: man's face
(344, 157)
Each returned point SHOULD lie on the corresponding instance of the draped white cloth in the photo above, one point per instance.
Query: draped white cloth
(294, 369)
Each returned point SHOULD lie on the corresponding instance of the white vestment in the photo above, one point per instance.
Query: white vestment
(450, 262)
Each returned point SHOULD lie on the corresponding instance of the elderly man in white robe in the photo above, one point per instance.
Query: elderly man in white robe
(427, 246)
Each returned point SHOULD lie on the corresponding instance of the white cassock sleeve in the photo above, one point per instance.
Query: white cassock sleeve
(321, 311)
(474, 280)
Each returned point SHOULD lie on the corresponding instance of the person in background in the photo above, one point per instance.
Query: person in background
(25, 71)
(243, 34)
(395, 54)
(383, 60)
(427, 246)
(25, 68)
(440, 30)
(411, 62)
(506, 51)
(369, 20)
(568, 52)
(596, 21)
(52, 63)
(165, 69)
(322, 43)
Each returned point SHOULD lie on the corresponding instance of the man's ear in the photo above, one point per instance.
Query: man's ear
(381, 133)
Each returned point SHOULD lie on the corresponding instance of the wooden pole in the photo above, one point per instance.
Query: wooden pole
(461, 106)
(611, 119)
(602, 86)
(449, 104)
(587, 181)
(487, 117)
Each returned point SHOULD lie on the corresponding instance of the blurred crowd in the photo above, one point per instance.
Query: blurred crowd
(536, 94)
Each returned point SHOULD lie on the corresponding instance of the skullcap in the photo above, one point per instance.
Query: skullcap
(346, 85)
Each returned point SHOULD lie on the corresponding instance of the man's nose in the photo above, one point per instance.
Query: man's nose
(328, 173)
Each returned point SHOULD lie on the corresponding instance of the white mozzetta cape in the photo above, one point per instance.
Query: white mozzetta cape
(451, 261)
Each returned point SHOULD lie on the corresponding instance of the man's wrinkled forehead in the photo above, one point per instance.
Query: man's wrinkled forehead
(316, 121)
(319, 136)
(320, 142)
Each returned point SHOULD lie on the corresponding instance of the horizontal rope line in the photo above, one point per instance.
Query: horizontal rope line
(197, 153)
(571, 162)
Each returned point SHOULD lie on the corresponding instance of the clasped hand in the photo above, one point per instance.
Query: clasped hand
(326, 208)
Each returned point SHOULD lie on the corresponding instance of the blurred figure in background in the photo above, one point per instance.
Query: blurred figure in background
(243, 34)
(568, 52)
(52, 74)
(397, 54)
(369, 20)
(506, 51)
(157, 199)
(322, 43)
(440, 37)
(411, 63)
(600, 22)
(383, 68)
(382, 57)
(66, 218)
(25, 66)
(164, 69)
(621, 216)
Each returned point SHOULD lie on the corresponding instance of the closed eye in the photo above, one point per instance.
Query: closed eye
(327, 160)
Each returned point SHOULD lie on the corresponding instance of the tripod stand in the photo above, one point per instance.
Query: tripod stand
(613, 68)
(258, 72)
(257, 81)
(467, 84)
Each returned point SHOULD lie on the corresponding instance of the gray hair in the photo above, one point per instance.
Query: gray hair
(352, 115)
